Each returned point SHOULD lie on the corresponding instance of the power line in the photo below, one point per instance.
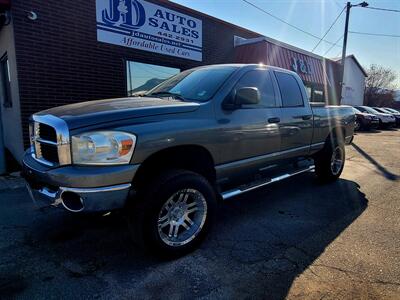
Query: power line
(333, 45)
(334, 22)
(338, 4)
(283, 21)
(375, 34)
(384, 9)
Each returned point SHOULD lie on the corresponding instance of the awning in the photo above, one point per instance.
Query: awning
(309, 68)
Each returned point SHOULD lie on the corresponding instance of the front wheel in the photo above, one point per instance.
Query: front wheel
(174, 213)
(329, 163)
(357, 125)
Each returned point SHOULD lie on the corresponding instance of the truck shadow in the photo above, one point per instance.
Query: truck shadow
(284, 230)
(262, 241)
(381, 169)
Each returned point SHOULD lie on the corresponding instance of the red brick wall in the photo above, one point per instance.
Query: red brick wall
(59, 60)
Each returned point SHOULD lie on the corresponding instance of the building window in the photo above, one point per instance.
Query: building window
(318, 96)
(309, 92)
(143, 77)
(5, 82)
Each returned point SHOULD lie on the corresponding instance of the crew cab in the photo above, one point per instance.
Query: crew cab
(205, 135)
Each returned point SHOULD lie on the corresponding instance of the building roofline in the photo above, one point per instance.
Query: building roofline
(249, 41)
(196, 12)
(339, 59)
(243, 42)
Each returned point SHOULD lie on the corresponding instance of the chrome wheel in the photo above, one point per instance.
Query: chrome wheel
(337, 160)
(182, 217)
(357, 125)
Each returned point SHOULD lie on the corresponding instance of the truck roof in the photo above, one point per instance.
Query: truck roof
(250, 66)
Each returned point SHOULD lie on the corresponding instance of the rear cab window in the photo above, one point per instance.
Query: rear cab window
(290, 90)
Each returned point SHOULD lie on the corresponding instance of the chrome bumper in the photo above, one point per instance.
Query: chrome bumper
(91, 199)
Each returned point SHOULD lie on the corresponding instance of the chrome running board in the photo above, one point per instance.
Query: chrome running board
(238, 191)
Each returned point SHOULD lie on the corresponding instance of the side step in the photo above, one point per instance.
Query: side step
(247, 188)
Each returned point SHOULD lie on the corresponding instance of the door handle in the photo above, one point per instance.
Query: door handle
(274, 120)
(304, 117)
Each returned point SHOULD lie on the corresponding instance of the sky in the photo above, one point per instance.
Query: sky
(316, 17)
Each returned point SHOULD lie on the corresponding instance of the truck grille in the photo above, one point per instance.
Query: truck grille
(49, 153)
(47, 133)
(49, 137)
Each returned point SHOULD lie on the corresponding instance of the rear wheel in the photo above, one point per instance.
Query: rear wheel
(329, 163)
(174, 213)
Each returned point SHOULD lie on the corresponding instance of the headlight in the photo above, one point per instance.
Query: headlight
(103, 148)
(368, 117)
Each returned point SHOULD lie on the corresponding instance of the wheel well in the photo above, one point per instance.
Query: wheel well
(189, 157)
(337, 133)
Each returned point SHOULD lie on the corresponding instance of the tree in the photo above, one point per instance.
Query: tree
(379, 86)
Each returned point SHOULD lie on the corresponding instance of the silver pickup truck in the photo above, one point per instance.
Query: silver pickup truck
(169, 156)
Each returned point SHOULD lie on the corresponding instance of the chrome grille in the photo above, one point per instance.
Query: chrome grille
(49, 153)
(47, 133)
(49, 137)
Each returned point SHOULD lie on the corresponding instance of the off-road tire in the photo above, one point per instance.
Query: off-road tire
(323, 161)
(149, 201)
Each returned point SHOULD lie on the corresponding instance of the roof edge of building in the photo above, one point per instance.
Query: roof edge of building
(339, 59)
(249, 41)
(244, 42)
(196, 12)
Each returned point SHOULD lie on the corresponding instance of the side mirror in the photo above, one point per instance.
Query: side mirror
(247, 95)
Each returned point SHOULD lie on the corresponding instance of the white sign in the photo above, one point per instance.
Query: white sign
(142, 25)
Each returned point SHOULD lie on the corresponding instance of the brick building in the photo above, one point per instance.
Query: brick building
(60, 52)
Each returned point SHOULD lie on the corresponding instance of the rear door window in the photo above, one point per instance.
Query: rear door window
(290, 90)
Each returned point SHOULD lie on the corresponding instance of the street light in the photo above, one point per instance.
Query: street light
(346, 27)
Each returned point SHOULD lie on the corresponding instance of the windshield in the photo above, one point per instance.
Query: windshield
(392, 110)
(195, 85)
(357, 111)
(380, 110)
(371, 110)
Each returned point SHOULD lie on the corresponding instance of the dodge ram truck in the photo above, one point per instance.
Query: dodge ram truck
(168, 156)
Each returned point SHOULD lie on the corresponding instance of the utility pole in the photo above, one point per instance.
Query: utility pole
(346, 30)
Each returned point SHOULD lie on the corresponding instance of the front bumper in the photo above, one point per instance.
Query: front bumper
(371, 123)
(91, 188)
(374, 123)
(88, 200)
(388, 122)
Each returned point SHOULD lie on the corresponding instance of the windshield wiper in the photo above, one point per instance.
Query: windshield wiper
(167, 94)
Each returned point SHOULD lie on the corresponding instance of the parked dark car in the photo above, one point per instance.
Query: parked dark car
(394, 113)
(365, 121)
(385, 120)
(167, 158)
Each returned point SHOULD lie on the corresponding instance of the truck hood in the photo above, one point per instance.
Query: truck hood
(102, 111)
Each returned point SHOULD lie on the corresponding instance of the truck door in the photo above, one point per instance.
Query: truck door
(245, 132)
(296, 125)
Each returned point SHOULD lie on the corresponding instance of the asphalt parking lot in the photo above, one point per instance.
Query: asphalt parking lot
(295, 239)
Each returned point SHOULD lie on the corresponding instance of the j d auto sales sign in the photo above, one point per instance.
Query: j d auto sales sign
(143, 25)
